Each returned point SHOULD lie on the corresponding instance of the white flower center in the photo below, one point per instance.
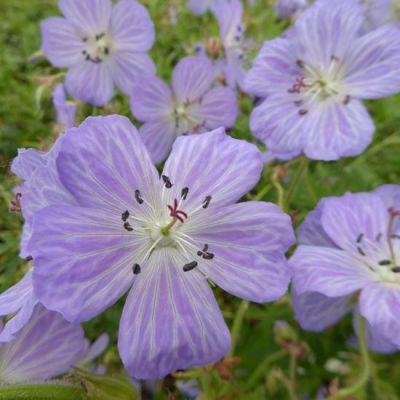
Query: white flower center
(97, 49)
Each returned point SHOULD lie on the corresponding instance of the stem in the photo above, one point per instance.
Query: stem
(292, 377)
(296, 181)
(237, 324)
(207, 391)
(42, 392)
(366, 367)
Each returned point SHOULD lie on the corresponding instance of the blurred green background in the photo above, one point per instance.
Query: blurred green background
(264, 367)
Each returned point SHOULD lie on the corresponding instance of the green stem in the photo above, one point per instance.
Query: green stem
(49, 391)
(292, 378)
(296, 181)
(237, 325)
(366, 367)
(207, 390)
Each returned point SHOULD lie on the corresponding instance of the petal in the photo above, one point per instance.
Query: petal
(170, 321)
(212, 164)
(90, 82)
(27, 162)
(390, 195)
(328, 271)
(128, 68)
(104, 161)
(60, 42)
(199, 7)
(248, 241)
(229, 14)
(97, 347)
(151, 99)
(65, 111)
(274, 68)
(88, 16)
(39, 354)
(315, 312)
(374, 64)
(345, 218)
(83, 260)
(192, 77)
(158, 136)
(380, 305)
(217, 108)
(131, 27)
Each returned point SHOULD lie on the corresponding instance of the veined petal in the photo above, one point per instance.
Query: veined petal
(90, 82)
(151, 98)
(61, 43)
(158, 136)
(170, 321)
(390, 195)
(87, 16)
(65, 111)
(131, 27)
(95, 349)
(129, 67)
(192, 77)
(104, 161)
(328, 271)
(27, 162)
(374, 64)
(199, 7)
(345, 218)
(83, 259)
(38, 353)
(248, 241)
(212, 164)
(315, 311)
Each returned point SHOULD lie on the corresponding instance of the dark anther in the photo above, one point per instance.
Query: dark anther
(84, 52)
(334, 58)
(361, 251)
(138, 196)
(206, 201)
(184, 193)
(190, 266)
(29, 258)
(378, 237)
(88, 57)
(15, 205)
(98, 37)
(125, 215)
(136, 269)
(360, 237)
(347, 100)
(106, 51)
(396, 269)
(205, 253)
(384, 262)
(85, 39)
(300, 63)
(394, 236)
(128, 227)
(303, 112)
(167, 182)
(298, 103)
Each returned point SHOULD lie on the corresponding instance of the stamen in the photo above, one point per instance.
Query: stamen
(125, 215)
(384, 262)
(360, 237)
(205, 253)
(128, 227)
(167, 181)
(396, 269)
(190, 266)
(136, 269)
(347, 100)
(361, 251)
(303, 112)
(138, 196)
(206, 201)
(378, 237)
(98, 37)
(300, 63)
(184, 193)
(15, 205)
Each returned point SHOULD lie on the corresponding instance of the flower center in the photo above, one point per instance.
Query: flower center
(97, 49)
(185, 121)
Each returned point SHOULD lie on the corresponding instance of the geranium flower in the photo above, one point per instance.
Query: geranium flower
(102, 44)
(313, 82)
(192, 105)
(161, 237)
(288, 8)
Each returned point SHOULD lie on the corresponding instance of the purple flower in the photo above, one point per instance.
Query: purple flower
(101, 44)
(46, 347)
(160, 238)
(288, 8)
(381, 12)
(347, 260)
(313, 82)
(192, 105)
(65, 111)
(200, 7)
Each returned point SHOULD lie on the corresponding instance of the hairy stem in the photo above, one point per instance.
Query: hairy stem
(49, 391)
(237, 324)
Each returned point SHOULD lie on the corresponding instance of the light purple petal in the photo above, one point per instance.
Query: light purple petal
(88, 16)
(131, 27)
(212, 164)
(234, 71)
(248, 241)
(229, 14)
(315, 312)
(90, 82)
(345, 218)
(390, 195)
(374, 64)
(65, 112)
(83, 260)
(97, 347)
(60, 42)
(199, 7)
(171, 320)
(151, 99)
(287, 8)
(26, 163)
(192, 77)
(104, 161)
(158, 136)
(47, 346)
(328, 271)
(128, 68)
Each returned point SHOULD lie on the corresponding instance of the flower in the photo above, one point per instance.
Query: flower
(313, 83)
(381, 12)
(347, 260)
(65, 111)
(101, 44)
(288, 8)
(160, 238)
(46, 347)
(192, 105)
(200, 7)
